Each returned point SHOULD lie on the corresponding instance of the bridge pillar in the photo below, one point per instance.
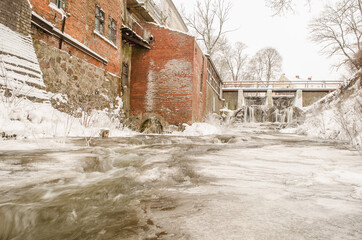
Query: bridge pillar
(298, 102)
(269, 98)
(241, 99)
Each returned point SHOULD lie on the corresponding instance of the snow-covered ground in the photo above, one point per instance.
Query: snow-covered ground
(248, 183)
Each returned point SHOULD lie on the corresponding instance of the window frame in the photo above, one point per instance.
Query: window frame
(112, 30)
(99, 20)
(61, 4)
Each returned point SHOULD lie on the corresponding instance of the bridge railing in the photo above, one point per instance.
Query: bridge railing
(328, 84)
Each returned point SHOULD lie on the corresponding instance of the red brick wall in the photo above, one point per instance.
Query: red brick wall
(80, 26)
(162, 79)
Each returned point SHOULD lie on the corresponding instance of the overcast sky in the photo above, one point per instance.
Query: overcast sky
(257, 28)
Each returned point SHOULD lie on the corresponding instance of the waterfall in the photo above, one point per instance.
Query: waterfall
(290, 112)
(261, 113)
(245, 114)
(284, 116)
(251, 114)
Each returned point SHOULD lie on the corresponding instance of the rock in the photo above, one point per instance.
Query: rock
(104, 133)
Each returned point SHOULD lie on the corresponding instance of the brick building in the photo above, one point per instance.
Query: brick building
(169, 75)
(94, 51)
(169, 80)
(78, 44)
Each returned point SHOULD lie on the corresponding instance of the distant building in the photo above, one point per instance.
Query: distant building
(284, 82)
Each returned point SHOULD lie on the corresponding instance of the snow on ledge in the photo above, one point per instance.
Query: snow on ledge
(105, 39)
(171, 29)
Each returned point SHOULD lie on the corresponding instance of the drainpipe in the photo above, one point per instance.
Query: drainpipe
(63, 27)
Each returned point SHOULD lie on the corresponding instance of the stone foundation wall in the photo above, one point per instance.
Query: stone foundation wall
(16, 15)
(85, 86)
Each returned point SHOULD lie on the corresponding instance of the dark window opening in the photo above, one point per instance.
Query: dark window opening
(112, 30)
(99, 21)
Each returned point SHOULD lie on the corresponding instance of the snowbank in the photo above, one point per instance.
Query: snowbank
(338, 115)
(212, 126)
(201, 129)
(26, 119)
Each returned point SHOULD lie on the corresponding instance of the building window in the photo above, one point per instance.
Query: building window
(59, 3)
(99, 23)
(112, 30)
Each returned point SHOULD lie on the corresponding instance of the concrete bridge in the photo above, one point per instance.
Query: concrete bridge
(305, 93)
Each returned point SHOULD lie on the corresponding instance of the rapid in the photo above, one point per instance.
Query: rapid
(250, 182)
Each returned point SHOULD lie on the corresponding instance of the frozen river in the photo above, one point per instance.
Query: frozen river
(249, 183)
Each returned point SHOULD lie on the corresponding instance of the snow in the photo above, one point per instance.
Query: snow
(30, 4)
(201, 129)
(19, 67)
(59, 10)
(105, 39)
(171, 29)
(30, 120)
(336, 116)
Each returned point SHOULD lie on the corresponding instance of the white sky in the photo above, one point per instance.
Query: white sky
(257, 28)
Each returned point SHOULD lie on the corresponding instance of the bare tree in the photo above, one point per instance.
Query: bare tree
(208, 21)
(281, 6)
(265, 65)
(234, 60)
(339, 31)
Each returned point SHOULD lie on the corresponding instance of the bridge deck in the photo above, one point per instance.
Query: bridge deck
(279, 89)
(277, 86)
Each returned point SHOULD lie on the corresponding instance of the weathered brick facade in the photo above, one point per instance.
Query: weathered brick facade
(166, 79)
(16, 15)
(80, 25)
(86, 66)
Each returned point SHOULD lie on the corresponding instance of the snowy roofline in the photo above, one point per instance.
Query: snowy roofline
(171, 29)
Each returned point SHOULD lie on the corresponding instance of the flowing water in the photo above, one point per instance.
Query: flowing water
(250, 183)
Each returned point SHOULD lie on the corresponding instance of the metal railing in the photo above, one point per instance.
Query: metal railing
(328, 84)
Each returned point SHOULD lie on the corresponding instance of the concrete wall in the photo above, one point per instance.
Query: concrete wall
(162, 79)
(80, 25)
(311, 97)
(285, 98)
(198, 84)
(85, 85)
(174, 20)
(231, 99)
(211, 98)
(16, 15)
